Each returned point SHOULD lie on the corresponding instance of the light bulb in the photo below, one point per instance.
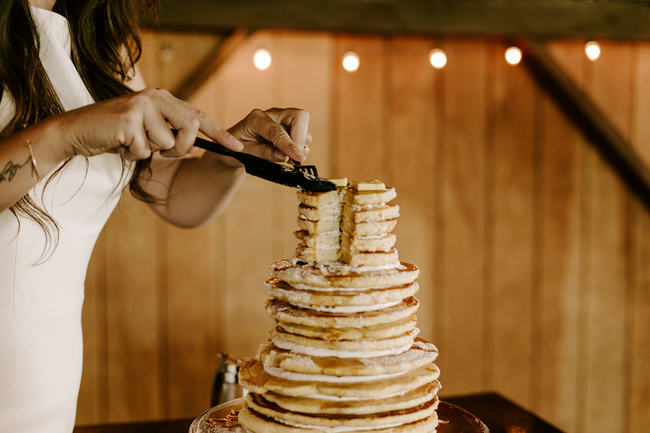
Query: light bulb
(351, 61)
(437, 58)
(592, 50)
(262, 59)
(513, 55)
(167, 53)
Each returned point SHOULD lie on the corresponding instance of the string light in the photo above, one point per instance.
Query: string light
(592, 50)
(262, 59)
(167, 53)
(437, 58)
(513, 55)
(351, 61)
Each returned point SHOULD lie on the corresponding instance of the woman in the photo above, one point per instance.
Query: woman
(70, 129)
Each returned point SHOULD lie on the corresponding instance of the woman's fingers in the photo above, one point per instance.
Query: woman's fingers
(265, 151)
(212, 130)
(159, 135)
(259, 126)
(180, 115)
(140, 123)
(136, 146)
(297, 123)
(189, 121)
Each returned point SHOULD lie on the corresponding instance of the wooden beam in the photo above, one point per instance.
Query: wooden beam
(591, 121)
(223, 49)
(608, 19)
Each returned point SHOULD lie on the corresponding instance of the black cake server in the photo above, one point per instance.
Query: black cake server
(277, 173)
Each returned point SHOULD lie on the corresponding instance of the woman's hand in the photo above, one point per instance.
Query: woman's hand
(275, 134)
(199, 188)
(138, 124)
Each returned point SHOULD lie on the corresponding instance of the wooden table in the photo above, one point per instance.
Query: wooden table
(499, 414)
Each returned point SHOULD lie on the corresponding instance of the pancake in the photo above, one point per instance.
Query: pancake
(384, 330)
(359, 214)
(317, 213)
(310, 254)
(285, 312)
(363, 346)
(260, 405)
(374, 243)
(370, 198)
(319, 226)
(369, 228)
(328, 240)
(342, 275)
(257, 422)
(370, 258)
(255, 378)
(419, 355)
(320, 199)
(281, 290)
(409, 399)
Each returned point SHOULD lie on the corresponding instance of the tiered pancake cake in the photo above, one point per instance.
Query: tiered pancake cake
(343, 356)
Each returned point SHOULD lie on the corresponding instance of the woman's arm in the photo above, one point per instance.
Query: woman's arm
(135, 125)
(193, 189)
(18, 174)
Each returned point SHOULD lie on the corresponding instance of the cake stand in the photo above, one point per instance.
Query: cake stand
(223, 419)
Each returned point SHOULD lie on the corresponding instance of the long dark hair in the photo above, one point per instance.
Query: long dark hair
(105, 48)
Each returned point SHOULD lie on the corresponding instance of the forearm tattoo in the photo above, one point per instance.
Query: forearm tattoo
(9, 171)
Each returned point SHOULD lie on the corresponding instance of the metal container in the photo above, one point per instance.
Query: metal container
(226, 386)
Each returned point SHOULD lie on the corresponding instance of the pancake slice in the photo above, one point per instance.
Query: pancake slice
(319, 199)
(325, 240)
(370, 198)
(310, 254)
(370, 228)
(370, 258)
(319, 226)
(318, 213)
(358, 214)
(373, 243)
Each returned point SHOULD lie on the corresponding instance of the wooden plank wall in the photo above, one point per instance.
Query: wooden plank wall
(535, 259)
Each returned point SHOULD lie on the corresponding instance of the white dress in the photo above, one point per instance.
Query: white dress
(40, 305)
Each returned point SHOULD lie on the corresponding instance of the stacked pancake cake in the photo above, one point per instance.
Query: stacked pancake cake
(343, 356)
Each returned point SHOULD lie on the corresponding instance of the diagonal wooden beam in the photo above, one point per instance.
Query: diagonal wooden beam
(211, 63)
(586, 116)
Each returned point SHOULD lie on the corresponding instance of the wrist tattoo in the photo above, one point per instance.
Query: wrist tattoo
(9, 171)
